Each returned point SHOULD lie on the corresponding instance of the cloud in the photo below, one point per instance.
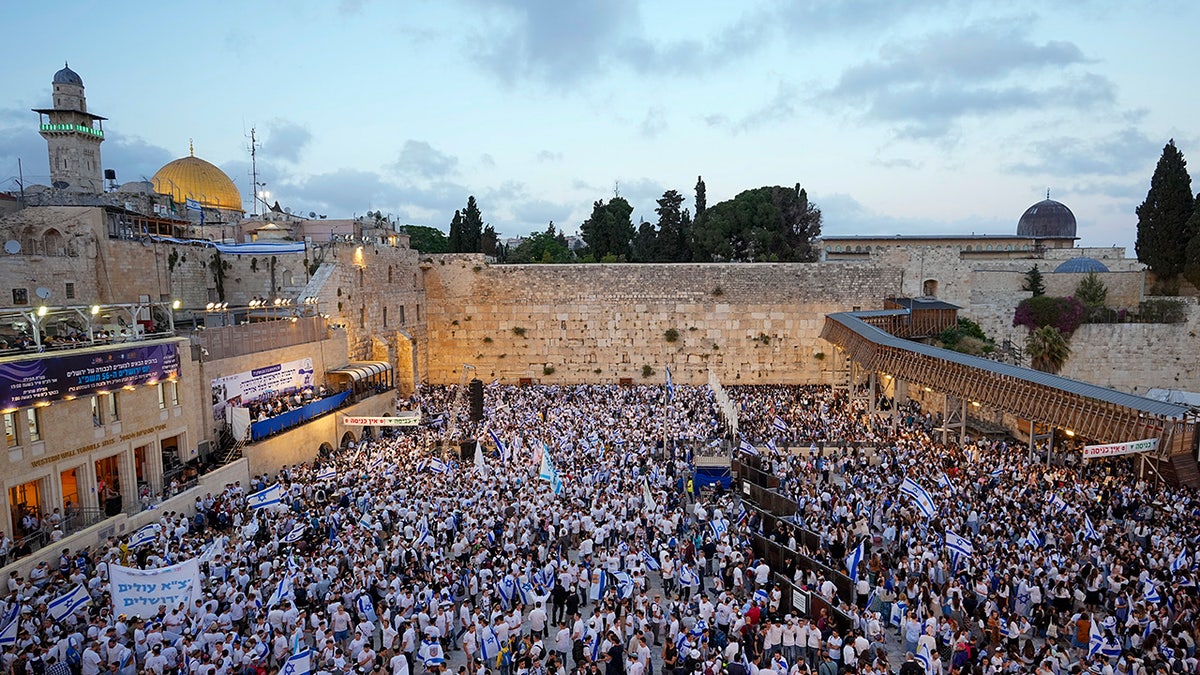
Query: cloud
(285, 140)
(842, 215)
(654, 123)
(545, 156)
(779, 108)
(925, 88)
(421, 160)
(1110, 154)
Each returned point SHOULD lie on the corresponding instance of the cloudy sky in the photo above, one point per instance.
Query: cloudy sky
(897, 116)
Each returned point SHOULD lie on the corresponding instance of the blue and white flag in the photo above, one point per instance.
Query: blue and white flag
(507, 589)
(295, 535)
(959, 545)
(855, 557)
(265, 497)
(943, 482)
(996, 472)
(1180, 561)
(299, 663)
(599, 585)
(192, 204)
(650, 560)
(1032, 539)
(594, 644)
(500, 446)
(489, 644)
(8, 634)
(719, 527)
(925, 658)
(545, 470)
(670, 385)
(761, 595)
(146, 535)
(779, 424)
(625, 584)
(746, 447)
(1150, 593)
(328, 473)
(426, 539)
(366, 607)
(375, 464)
(436, 465)
(772, 447)
(1088, 530)
(1057, 504)
(919, 496)
(13, 611)
(1095, 640)
(65, 605)
(283, 591)
(525, 590)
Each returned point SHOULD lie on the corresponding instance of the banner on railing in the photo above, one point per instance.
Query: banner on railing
(142, 592)
(240, 389)
(403, 419)
(1115, 449)
(800, 601)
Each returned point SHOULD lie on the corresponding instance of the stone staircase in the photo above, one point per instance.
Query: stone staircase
(1179, 469)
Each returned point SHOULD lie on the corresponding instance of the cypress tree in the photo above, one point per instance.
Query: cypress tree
(1163, 232)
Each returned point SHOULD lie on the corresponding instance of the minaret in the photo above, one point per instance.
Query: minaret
(73, 136)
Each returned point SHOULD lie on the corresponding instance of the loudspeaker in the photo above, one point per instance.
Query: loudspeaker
(466, 449)
(476, 392)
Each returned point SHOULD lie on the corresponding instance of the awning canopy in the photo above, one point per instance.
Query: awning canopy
(360, 370)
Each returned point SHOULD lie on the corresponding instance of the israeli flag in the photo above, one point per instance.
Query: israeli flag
(65, 605)
(855, 557)
(997, 472)
(959, 545)
(1095, 641)
(366, 607)
(650, 560)
(192, 204)
(8, 634)
(594, 644)
(11, 613)
(1032, 539)
(670, 385)
(503, 449)
(719, 527)
(375, 463)
(925, 658)
(296, 534)
(1088, 530)
(1150, 593)
(436, 465)
(266, 497)
(624, 585)
(426, 539)
(299, 663)
(761, 595)
(899, 609)
(599, 585)
(489, 644)
(1180, 561)
(328, 473)
(1058, 504)
(507, 588)
(546, 470)
(525, 589)
(780, 425)
(919, 496)
(283, 591)
(748, 448)
(772, 447)
(943, 482)
(647, 496)
(146, 535)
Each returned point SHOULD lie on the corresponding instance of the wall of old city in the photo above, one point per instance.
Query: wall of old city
(751, 323)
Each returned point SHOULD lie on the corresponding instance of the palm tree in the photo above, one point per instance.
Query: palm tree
(1048, 349)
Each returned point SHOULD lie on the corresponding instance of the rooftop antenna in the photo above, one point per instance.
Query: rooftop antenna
(254, 169)
(1047, 193)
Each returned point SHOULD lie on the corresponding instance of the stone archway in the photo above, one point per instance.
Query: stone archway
(347, 439)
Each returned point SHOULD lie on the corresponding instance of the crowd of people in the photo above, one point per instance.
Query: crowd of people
(277, 403)
(576, 541)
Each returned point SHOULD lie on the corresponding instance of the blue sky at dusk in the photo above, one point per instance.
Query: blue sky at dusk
(897, 117)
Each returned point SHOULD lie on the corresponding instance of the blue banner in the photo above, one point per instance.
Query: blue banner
(53, 378)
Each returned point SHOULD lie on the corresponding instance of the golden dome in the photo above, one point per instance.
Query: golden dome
(193, 178)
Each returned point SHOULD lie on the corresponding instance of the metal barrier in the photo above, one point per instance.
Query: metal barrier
(291, 418)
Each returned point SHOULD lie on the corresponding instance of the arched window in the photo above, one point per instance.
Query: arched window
(968, 248)
(838, 248)
(868, 249)
(929, 288)
(858, 249)
(389, 274)
(286, 277)
(52, 242)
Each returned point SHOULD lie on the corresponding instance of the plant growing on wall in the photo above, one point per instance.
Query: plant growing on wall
(518, 331)
(219, 266)
(547, 370)
(647, 371)
(1065, 314)
(967, 337)
(254, 264)
(763, 338)
(671, 335)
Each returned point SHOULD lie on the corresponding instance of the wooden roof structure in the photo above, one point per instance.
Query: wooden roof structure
(1094, 412)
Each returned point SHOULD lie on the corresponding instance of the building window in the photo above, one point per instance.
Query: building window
(112, 412)
(162, 395)
(385, 317)
(95, 411)
(35, 427)
(20, 296)
(389, 274)
(70, 290)
(418, 314)
(401, 315)
(362, 316)
(172, 392)
(10, 428)
(929, 288)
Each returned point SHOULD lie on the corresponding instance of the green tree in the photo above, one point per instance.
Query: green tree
(1048, 349)
(1034, 283)
(701, 197)
(1092, 292)
(489, 243)
(456, 233)
(427, 239)
(761, 225)
(1163, 219)
(645, 243)
(548, 246)
(1191, 266)
(609, 231)
(472, 227)
(671, 244)
(967, 337)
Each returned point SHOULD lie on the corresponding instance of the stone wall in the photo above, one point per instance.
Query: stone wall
(1137, 357)
(752, 323)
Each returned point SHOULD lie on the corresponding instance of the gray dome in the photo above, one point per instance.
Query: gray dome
(68, 76)
(1081, 265)
(1047, 219)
